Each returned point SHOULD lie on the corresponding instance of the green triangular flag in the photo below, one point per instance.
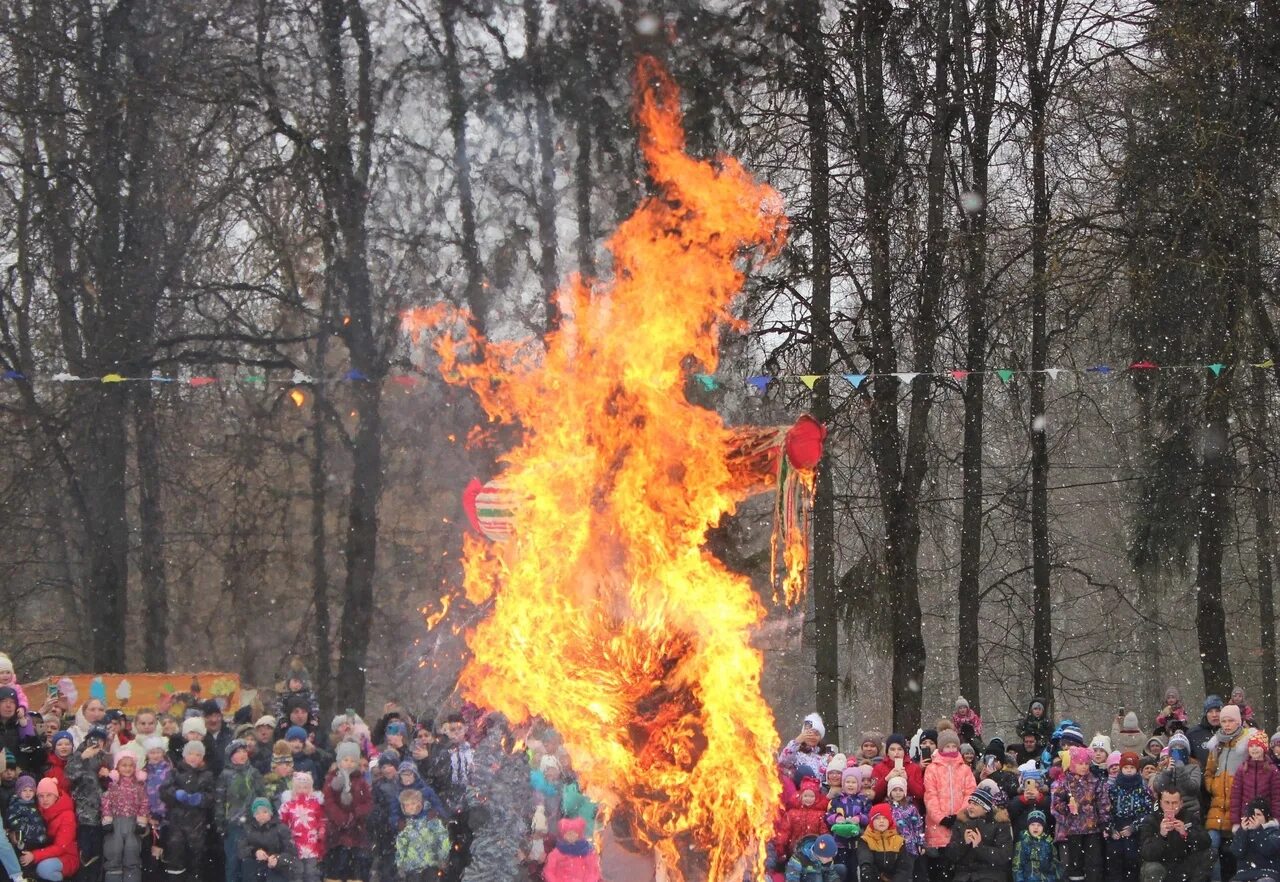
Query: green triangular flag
(1216, 368)
(1005, 374)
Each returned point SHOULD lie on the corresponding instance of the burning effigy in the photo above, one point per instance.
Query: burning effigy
(606, 617)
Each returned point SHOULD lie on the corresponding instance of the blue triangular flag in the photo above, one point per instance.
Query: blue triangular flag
(760, 384)
(354, 376)
(14, 375)
(856, 380)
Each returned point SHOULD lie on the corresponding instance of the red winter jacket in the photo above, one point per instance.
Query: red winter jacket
(1254, 779)
(60, 821)
(346, 823)
(801, 822)
(58, 772)
(914, 773)
(563, 867)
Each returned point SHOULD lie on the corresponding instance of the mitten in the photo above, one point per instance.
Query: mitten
(195, 799)
(846, 829)
(180, 796)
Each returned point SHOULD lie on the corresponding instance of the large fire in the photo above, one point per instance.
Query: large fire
(608, 619)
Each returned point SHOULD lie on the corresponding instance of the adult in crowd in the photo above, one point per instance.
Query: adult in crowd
(1227, 752)
(60, 859)
(91, 715)
(220, 735)
(18, 734)
(1200, 734)
(948, 782)
(897, 762)
(1172, 845)
(1180, 771)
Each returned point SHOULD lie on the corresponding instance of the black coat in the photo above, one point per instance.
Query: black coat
(1199, 737)
(874, 866)
(1257, 852)
(272, 837)
(189, 818)
(1185, 859)
(28, 750)
(989, 861)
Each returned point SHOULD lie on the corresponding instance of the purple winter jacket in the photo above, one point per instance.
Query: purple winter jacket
(1254, 779)
(1091, 795)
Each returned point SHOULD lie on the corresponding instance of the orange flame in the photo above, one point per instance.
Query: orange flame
(609, 620)
(437, 617)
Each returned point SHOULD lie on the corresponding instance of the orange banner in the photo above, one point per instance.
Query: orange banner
(166, 693)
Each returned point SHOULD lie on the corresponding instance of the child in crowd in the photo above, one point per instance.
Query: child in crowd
(348, 800)
(302, 811)
(1256, 778)
(188, 800)
(297, 688)
(1081, 810)
(158, 769)
(266, 851)
(125, 818)
(9, 678)
(966, 716)
(238, 786)
(848, 813)
(573, 859)
(422, 845)
(1033, 797)
(808, 817)
(1131, 802)
(1034, 859)
(907, 819)
(278, 780)
(22, 819)
(383, 820)
(881, 852)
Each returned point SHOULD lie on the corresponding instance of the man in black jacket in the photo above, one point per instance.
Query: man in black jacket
(1173, 846)
(1199, 736)
(981, 847)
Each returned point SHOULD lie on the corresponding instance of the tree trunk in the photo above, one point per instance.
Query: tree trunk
(1041, 606)
(151, 563)
(546, 194)
(320, 546)
(968, 593)
(1264, 549)
(102, 462)
(474, 295)
(1215, 487)
(826, 620)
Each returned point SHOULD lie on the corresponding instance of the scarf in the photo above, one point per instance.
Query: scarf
(581, 848)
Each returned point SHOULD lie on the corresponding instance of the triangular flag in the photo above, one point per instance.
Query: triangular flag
(255, 380)
(809, 379)
(1053, 372)
(1004, 374)
(300, 377)
(906, 378)
(64, 378)
(1216, 368)
(113, 378)
(354, 376)
(856, 379)
(202, 381)
(706, 381)
(1265, 364)
(760, 383)
(13, 375)
(1144, 366)
(406, 380)
(959, 376)
(1100, 369)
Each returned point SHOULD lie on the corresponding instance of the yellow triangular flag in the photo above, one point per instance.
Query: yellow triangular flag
(1265, 364)
(113, 378)
(809, 379)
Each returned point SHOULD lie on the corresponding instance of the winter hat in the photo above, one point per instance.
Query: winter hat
(1035, 816)
(854, 772)
(266, 720)
(1128, 758)
(194, 724)
(303, 778)
(967, 749)
(1130, 723)
(112, 716)
(815, 721)
(962, 703)
(575, 825)
(281, 751)
(8, 692)
(259, 803)
(1071, 733)
(824, 846)
(1156, 739)
(896, 782)
(838, 763)
(59, 736)
(982, 798)
(548, 762)
(929, 735)
(397, 727)
(1259, 738)
(1029, 771)
(347, 750)
(1100, 742)
(97, 733)
(295, 733)
(1275, 739)
(882, 810)
(192, 748)
(23, 781)
(1113, 758)
(871, 737)
(131, 752)
(389, 757)
(1080, 755)
(211, 707)
(155, 742)
(1147, 761)
(407, 766)
(1037, 703)
(948, 739)
(1179, 742)
(1213, 702)
(896, 738)
(235, 747)
(995, 747)
(47, 785)
(6, 664)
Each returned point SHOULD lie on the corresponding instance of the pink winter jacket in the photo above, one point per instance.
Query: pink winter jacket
(1254, 779)
(948, 782)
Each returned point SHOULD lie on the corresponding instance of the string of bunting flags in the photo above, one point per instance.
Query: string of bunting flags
(761, 382)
